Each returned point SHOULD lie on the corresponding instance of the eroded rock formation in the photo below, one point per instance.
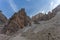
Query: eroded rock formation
(3, 19)
(17, 21)
(43, 17)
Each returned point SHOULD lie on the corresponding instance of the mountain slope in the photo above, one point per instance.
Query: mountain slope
(45, 30)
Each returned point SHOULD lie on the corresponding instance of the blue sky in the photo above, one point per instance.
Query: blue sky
(32, 7)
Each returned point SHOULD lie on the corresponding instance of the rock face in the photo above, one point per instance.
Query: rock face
(17, 21)
(38, 16)
(43, 17)
(3, 19)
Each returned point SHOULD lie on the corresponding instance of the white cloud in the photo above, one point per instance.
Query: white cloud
(43, 11)
(54, 3)
(13, 5)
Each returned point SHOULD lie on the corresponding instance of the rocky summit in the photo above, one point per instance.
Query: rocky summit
(18, 21)
(3, 19)
(43, 17)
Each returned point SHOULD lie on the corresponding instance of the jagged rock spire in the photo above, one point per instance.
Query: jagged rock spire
(18, 21)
